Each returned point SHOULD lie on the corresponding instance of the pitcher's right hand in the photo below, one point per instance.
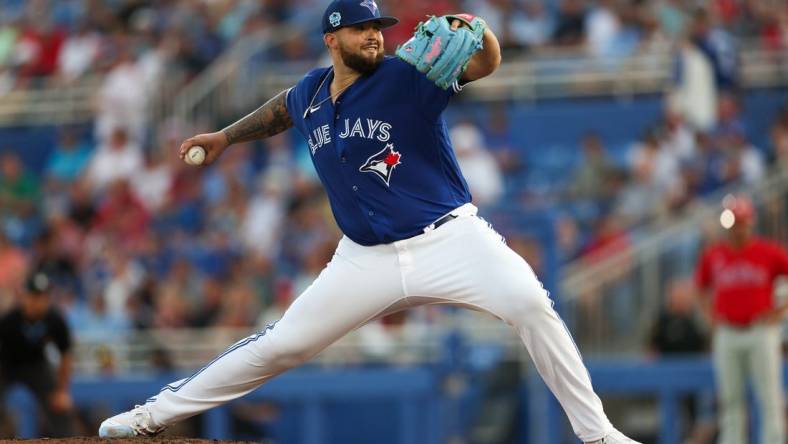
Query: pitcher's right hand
(213, 143)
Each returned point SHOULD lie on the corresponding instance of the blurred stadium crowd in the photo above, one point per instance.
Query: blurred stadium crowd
(135, 239)
(60, 41)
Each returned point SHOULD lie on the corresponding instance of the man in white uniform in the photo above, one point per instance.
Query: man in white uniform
(380, 146)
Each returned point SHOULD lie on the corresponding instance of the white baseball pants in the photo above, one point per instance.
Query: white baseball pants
(753, 354)
(463, 262)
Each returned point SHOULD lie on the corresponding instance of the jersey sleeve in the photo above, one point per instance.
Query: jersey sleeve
(703, 272)
(295, 106)
(299, 96)
(431, 98)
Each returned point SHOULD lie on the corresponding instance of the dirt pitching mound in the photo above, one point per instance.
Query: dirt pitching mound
(141, 440)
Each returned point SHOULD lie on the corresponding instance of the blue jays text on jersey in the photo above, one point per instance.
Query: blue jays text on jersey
(373, 129)
(381, 150)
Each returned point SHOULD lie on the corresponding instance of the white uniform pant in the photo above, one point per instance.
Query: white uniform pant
(752, 354)
(463, 262)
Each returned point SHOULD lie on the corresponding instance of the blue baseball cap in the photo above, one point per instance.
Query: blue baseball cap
(341, 13)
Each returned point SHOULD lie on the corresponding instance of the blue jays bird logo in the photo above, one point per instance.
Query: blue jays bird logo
(370, 4)
(382, 164)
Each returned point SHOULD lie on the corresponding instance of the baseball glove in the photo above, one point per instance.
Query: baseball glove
(441, 53)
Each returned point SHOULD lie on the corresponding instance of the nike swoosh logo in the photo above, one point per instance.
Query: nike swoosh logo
(309, 110)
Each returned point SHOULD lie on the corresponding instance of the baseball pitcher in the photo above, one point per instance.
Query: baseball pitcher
(379, 143)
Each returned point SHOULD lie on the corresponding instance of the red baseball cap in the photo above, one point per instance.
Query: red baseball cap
(736, 209)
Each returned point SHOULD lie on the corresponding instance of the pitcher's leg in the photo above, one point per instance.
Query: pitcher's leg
(765, 368)
(729, 367)
(345, 295)
(557, 360)
(469, 264)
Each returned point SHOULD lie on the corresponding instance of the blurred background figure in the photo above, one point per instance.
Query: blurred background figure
(707, 65)
(478, 165)
(739, 275)
(590, 178)
(13, 268)
(20, 197)
(26, 334)
(120, 158)
(678, 332)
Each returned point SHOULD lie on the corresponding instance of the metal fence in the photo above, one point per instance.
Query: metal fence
(50, 105)
(227, 87)
(557, 72)
(189, 349)
(611, 304)
(608, 305)
(252, 70)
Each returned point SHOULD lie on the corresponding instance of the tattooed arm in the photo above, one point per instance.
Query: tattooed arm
(270, 119)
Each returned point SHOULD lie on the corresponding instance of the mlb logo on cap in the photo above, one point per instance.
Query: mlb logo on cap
(341, 13)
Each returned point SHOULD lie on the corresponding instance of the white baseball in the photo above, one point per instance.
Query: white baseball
(195, 155)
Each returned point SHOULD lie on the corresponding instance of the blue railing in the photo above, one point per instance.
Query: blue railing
(668, 380)
(423, 412)
(414, 390)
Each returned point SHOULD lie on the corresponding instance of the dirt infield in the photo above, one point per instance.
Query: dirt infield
(92, 439)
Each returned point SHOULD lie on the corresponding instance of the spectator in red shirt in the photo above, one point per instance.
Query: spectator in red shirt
(739, 272)
(122, 217)
(39, 47)
(410, 13)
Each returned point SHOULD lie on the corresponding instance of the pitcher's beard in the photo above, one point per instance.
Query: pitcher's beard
(360, 63)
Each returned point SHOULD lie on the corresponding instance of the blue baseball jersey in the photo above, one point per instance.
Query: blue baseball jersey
(382, 150)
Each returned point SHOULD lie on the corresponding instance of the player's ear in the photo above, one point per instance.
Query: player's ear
(329, 39)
